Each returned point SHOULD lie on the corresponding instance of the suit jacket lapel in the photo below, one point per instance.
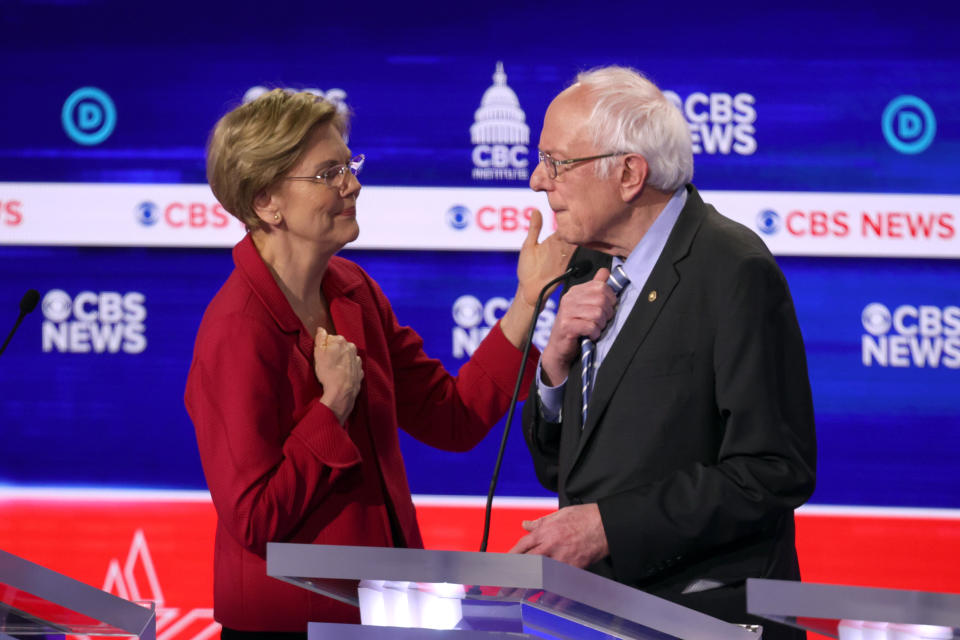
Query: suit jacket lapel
(663, 279)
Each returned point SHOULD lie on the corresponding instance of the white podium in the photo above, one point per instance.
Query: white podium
(36, 601)
(856, 613)
(416, 593)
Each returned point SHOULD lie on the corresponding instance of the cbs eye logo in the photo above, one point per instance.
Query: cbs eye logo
(768, 222)
(876, 319)
(467, 311)
(458, 217)
(57, 305)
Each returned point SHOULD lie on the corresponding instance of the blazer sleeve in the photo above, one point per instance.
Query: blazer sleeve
(543, 441)
(452, 413)
(765, 465)
(263, 482)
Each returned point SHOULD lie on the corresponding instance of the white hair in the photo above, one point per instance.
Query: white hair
(631, 114)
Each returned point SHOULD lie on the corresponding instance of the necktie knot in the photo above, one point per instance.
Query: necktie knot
(618, 279)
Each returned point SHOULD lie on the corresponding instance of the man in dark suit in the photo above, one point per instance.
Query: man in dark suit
(698, 442)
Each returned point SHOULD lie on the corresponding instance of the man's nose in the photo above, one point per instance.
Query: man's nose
(539, 181)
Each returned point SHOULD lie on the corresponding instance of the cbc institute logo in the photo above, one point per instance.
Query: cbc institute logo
(94, 322)
(500, 134)
(911, 336)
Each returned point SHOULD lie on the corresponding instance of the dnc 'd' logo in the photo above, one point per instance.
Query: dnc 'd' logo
(908, 124)
(88, 116)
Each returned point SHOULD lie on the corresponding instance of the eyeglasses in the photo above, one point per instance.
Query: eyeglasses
(335, 176)
(552, 165)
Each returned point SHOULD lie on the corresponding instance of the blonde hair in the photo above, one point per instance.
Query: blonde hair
(257, 142)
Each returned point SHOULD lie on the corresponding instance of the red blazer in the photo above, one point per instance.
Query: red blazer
(278, 464)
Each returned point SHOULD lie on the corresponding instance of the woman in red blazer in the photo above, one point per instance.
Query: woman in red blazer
(301, 374)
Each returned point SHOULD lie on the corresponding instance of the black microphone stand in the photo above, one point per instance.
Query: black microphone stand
(575, 271)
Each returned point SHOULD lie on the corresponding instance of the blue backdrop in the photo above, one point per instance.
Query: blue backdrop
(848, 100)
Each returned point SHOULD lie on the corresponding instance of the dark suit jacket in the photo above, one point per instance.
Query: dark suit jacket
(700, 439)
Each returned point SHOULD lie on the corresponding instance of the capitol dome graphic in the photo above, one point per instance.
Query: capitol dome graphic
(500, 134)
(499, 120)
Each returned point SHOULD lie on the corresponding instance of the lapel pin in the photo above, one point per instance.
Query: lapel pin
(652, 296)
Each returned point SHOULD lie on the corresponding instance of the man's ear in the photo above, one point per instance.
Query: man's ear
(267, 208)
(634, 176)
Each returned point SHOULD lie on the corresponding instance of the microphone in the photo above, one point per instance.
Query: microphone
(27, 304)
(576, 270)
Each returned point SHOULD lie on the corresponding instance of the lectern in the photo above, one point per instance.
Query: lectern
(37, 601)
(856, 613)
(418, 593)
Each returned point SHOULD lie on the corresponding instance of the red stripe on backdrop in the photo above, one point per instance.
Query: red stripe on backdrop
(447, 526)
(145, 549)
(161, 548)
(896, 552)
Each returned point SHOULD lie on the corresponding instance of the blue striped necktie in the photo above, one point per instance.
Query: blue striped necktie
(617, 281)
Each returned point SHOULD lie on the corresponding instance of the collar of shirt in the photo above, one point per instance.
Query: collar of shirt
(644, 256)
(638, 266)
